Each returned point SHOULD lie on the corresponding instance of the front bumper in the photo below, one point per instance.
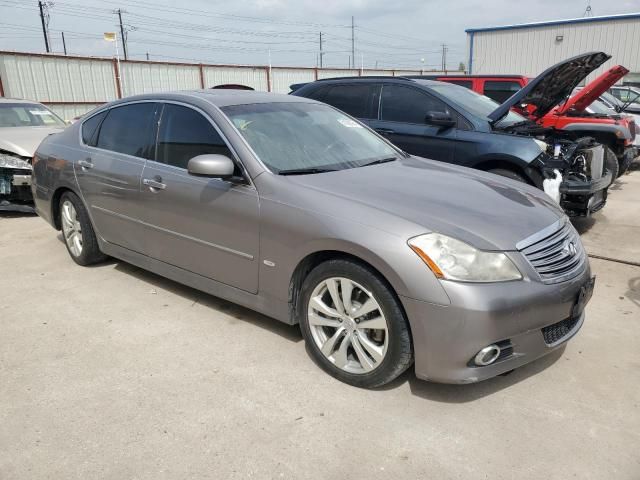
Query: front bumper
(579, 198)
(15, 190)
(447, 338)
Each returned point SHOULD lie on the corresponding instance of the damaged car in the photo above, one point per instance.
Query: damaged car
(451, 123)
(23, 125)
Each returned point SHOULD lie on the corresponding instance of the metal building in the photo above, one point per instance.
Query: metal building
(527, 49)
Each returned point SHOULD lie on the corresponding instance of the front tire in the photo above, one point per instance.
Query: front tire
(354, 325)
(77, 231)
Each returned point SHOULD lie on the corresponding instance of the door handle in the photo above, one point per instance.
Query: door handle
(154, 184)
(86, 164)
(385, 131)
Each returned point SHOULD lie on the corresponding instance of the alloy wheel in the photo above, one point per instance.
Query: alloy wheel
(71, 228)
(348, 325)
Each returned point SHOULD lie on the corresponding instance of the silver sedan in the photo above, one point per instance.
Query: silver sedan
(296, 210)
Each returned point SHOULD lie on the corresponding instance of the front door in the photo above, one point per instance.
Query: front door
(402, 120)
(117, 143)
(204, 225)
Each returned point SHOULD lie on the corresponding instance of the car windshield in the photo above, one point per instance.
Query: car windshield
(474, 103)
(598, 107)
(28, 115)
(610, 99)
(307, 137)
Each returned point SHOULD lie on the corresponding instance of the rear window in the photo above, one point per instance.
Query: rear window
(463, 83)
(127, 129)
(90, 127)
(499, 90)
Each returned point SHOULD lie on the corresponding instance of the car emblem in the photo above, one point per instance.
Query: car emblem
(569, 249)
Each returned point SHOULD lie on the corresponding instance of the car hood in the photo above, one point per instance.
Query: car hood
(482, 209)
(24, 141)
(552, 86)
(593, 90)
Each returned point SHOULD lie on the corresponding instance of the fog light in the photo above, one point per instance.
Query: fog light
(487, 355)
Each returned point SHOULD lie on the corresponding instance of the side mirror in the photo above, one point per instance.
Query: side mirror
(211, 165)
(440, 119)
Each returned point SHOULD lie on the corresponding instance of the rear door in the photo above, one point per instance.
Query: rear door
(118, 142)
(204, 225)
(500, 90)
(402, 120)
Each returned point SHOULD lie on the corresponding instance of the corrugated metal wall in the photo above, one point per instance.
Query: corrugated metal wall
(51, 79)
(281, 78)
(149, 77)
(528, 51)
(72, 85)
(69, 111)
(255, 77)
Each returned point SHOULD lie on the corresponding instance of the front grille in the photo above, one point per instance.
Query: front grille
(632, 129)
(556, 253)
(556, 332)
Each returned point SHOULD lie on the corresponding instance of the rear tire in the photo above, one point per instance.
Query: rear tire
(77, 231)
(503, 172)
(363, 339)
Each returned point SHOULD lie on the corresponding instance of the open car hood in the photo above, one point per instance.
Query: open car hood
(552, 86)
(593, 90)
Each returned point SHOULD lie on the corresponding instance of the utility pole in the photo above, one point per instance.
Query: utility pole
(353, 44)
(444, 57)
(44, 25)
(64, 44)
(321, 54)
(124, 40)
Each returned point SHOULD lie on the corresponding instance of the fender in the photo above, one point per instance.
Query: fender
(619, 131)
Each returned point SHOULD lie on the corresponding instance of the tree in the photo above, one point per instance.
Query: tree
(461, 67)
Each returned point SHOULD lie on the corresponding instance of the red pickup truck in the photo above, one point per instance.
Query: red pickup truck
(615, 131)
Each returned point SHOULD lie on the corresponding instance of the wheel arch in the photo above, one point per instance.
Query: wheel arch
(506, 164)
(55, 204)
(313, 259)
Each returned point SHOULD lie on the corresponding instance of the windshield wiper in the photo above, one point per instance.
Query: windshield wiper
(305, 171)
(380, 160)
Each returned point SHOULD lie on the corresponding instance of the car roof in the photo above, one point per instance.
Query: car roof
(376, 78)
(219, 97)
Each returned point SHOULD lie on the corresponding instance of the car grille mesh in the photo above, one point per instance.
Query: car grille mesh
(558, 255)
(556, 332)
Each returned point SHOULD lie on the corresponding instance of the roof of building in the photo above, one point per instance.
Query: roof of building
(606, 18)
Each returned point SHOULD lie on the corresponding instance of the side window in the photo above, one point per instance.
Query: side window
(128, 129)
(463, 83)
(408, 105)
(184, 134)
(500, 90)
(90, 127)
(356, 100)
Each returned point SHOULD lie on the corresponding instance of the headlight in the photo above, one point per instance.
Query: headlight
(452, 259)
(543, 145)
(9, 161)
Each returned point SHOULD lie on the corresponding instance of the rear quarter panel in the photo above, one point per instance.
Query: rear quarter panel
(53, 170)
